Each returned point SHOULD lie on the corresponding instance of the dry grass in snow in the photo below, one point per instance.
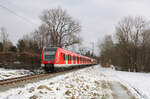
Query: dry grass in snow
(10, 73)
(87, 83)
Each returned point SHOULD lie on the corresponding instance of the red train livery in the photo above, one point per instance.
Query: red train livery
(54, 57)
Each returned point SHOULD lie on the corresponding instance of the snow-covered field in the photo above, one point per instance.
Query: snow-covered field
(8, 73)
(88, 83)
(139, 81)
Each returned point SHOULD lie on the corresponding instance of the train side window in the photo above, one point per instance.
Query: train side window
(64, 56)
(76, 59)
(68, 57)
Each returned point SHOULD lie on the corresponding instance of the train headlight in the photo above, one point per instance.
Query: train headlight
(42, 65)
(56, 61)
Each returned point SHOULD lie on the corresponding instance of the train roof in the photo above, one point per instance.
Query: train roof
(72, 53)
(69, 52)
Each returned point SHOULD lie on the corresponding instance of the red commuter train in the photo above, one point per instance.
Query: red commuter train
(54, 57)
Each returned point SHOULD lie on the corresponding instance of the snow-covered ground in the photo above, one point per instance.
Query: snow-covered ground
(88, 83)
(139, 81)
(8, 73)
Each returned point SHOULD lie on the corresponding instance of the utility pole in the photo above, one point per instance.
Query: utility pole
(92, 48)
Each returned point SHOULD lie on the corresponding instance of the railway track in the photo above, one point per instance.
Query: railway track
(7, 84)
(20, 79)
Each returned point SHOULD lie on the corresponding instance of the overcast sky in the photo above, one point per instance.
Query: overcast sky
(98, 17)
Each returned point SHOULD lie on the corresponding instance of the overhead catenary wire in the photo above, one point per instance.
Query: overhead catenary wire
(16, 14)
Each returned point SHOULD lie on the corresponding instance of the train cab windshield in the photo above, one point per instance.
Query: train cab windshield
(49, 53)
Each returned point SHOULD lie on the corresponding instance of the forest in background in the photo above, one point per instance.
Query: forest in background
(129, 48)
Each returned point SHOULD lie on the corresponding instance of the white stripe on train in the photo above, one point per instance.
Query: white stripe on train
(67, 65)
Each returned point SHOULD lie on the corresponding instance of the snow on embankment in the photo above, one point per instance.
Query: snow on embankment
(92, 82)
(86, 83)
(139, 81)
(9, 73)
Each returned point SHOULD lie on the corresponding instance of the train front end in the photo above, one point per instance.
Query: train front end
(48, 58)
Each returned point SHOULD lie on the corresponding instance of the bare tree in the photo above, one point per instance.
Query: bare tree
(106, 51)
(58, 29)
(132, 48)
(28, 44)
(1, 47)
(145, 51)
(41, 36)
(5, 41)
(128, 32)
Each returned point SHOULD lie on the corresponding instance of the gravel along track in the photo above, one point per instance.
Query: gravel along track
(21, 81)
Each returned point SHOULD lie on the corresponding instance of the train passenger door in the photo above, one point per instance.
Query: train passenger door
(71, 59)
(79, 60)
(66, 58)
(76, 59)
